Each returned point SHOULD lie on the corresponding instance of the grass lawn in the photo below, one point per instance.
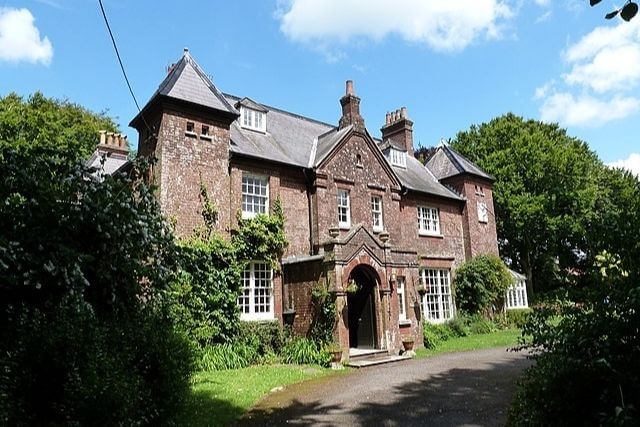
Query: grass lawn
(504, 338)
(220, 397)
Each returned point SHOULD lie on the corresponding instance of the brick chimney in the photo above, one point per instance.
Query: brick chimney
(399, 129)
(113, 143)
(350, 108)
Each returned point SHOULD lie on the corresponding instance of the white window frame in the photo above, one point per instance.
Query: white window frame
(256, 300)
(516, 296)
(253, 119)
(251, 199)
(483, 212)
(428, 221)
(376, 213)
(437, 303)
(402, 299)
(344, 208)
(398, 158)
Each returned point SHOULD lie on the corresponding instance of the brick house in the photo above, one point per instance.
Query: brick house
(358, 209)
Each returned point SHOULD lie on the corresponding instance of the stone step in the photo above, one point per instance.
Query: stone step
(379, 360)
(358, 354)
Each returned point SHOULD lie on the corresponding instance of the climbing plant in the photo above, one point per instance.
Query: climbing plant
(261, 237)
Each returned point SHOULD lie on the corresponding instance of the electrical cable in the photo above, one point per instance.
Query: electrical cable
(124, 73)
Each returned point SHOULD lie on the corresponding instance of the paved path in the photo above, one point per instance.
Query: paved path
(459, 389)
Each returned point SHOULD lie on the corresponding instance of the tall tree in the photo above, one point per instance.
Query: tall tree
(544, 196)
(38, 121)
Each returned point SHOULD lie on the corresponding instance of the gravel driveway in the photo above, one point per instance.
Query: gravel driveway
(459, 389)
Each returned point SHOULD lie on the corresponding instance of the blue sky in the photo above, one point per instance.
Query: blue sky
(451, 63)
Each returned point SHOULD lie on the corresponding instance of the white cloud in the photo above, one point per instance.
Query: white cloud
(606, 59)
(544, 17)
(585, 110)
(604, 71)
(20, 39)
(631, 163)
(542, 3)
(441, 25)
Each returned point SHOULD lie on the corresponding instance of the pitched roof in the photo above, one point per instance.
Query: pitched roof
(327, 142)
(417, 178)
(187, 82)
(288, 138)
(446, 163)
(250, 103)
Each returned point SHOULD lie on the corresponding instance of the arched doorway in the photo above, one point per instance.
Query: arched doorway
(361, 307)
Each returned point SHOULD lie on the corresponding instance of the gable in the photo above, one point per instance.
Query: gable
(354, 156)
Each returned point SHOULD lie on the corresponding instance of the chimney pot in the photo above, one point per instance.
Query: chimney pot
(349, 87)
(103, 137)
(403, 112)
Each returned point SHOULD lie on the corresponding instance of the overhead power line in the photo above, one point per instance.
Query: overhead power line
(124, 73)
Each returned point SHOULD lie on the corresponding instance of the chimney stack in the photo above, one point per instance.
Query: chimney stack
(350, 108)
(111, 143)
(399, 129)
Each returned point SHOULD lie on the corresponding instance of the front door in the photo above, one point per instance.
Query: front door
(362, 317)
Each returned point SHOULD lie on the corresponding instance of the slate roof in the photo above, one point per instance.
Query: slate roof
(446, 163)
(326, 143)
(187, 82)
(248, 102)
(416, 177)
(289, 139)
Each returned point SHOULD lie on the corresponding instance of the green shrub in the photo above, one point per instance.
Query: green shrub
(266, 337)
(518, 317)
(459, 326)
(480, 285)
(81, 341)
(68, 366)
(480, 325)
(586, 369)
(303, 351)
(219, 357)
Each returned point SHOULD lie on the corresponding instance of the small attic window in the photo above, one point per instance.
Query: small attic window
(253, 119)
(191, 127)
(397, 157)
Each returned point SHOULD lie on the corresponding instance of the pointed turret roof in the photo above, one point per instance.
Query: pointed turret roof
(446, 163)
(188, 83)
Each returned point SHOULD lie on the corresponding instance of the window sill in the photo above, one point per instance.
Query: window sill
(427, 234)
(344, 226)
(404, 322)
(483, 222)
(190, 134)
(378, 230)
(206, 137)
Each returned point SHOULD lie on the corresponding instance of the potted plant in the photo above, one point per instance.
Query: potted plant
(422, 289)
(334, 349)
(352, 286)
(407, 343)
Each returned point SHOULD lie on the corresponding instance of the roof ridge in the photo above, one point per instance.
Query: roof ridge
(280, 110)
(217, 93)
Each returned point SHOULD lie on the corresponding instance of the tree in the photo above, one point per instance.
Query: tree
(544, 195)
(480, 285)
(39, 121)
(627, 12)
(84, 335)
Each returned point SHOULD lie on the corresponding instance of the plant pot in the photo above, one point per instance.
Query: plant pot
(336, 356)
(408, 345)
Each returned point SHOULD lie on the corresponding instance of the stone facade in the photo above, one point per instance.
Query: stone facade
(203, 140)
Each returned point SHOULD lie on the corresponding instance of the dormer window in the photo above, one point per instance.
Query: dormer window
(397, 157)
(253, 119)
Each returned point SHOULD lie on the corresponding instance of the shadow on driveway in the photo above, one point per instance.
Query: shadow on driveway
(419, 392)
